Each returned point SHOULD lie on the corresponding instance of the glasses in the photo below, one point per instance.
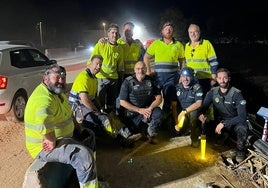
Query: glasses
(192, 52)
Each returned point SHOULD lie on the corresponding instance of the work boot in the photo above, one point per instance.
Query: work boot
(134, 137)
(123, 142)
(240, 156)
(195, 144)
(152, 140)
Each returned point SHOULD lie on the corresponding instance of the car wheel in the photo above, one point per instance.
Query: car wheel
(16, 113)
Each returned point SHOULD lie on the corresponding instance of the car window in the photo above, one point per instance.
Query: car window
(19, 59)
(37, 56)
(24, 58)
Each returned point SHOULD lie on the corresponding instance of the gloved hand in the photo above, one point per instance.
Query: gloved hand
(181, 118)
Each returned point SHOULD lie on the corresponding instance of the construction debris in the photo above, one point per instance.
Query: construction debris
(252, 172)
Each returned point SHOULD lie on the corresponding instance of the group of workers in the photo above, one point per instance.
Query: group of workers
(119, 82)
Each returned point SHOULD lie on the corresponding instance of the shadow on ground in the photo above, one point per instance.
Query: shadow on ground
(147, 165)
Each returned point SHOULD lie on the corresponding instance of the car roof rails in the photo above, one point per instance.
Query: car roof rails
(17, 42)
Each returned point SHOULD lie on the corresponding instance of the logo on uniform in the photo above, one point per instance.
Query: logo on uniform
(243, 102)
(178, 93)
(217, 100)
(148, 83)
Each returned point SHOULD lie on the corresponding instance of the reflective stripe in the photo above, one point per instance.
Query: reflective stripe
(202, 69)
(165, 70)
(34, 127)
(74, 97)
(108, 66)
(44, 111)
(33, 140)
(214, 63)
(196, 61)
(212, 58)
(166, 67)
(40, 127)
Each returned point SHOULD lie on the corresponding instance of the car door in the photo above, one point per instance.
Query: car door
(31, 65)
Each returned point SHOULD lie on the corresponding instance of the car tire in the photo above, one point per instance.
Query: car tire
(16, 112)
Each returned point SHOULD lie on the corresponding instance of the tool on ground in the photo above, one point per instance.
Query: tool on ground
(203, 141)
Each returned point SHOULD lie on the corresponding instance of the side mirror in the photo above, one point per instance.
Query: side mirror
(53, 61)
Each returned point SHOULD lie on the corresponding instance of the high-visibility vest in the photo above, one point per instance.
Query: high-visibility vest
(46, 112)
(201, 58)
(84, 82)
(112, 59)
(132, 54)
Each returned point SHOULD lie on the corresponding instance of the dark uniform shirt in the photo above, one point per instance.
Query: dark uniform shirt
(188, 96)
(229, 106)
(140, 94)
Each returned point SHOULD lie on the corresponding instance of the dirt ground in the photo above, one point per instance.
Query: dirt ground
(171, 163)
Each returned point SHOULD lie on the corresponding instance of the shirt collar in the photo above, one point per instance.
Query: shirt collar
(200, 42)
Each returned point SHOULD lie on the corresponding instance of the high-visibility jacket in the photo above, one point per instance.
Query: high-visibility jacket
(84, 82)
(166, 57)
(202, 58)
(112, 59)
(132, 54)
(46, 112)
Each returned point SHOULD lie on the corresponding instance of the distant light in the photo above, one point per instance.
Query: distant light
(137, 31)
(91, 48)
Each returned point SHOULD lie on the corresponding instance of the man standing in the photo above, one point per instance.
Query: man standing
(85, 103)
(230, 111)
(112, 69)
(133, 50)
(200, 55)
(167, 52)
(140, 99)
(49, 128)
(190, 95)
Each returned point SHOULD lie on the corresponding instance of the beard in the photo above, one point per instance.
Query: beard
(56, 88)
(224, 85)
(168, 35)
(140, 76)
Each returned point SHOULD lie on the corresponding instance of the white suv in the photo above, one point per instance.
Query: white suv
(21, 70)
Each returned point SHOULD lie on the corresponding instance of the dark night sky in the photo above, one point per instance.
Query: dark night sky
(19, 18)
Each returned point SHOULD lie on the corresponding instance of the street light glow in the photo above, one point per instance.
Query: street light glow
(104, 30)
(137, 31)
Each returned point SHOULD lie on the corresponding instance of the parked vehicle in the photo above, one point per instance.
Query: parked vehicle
(21, 70)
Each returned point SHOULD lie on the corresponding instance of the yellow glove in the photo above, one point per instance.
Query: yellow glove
(181, 118)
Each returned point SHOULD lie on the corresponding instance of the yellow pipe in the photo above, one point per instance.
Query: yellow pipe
(203, 146)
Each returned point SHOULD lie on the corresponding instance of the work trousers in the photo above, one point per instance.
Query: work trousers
(191, 122)
(136, 120)
(80, 157)
(107, 93)
(241, 131)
